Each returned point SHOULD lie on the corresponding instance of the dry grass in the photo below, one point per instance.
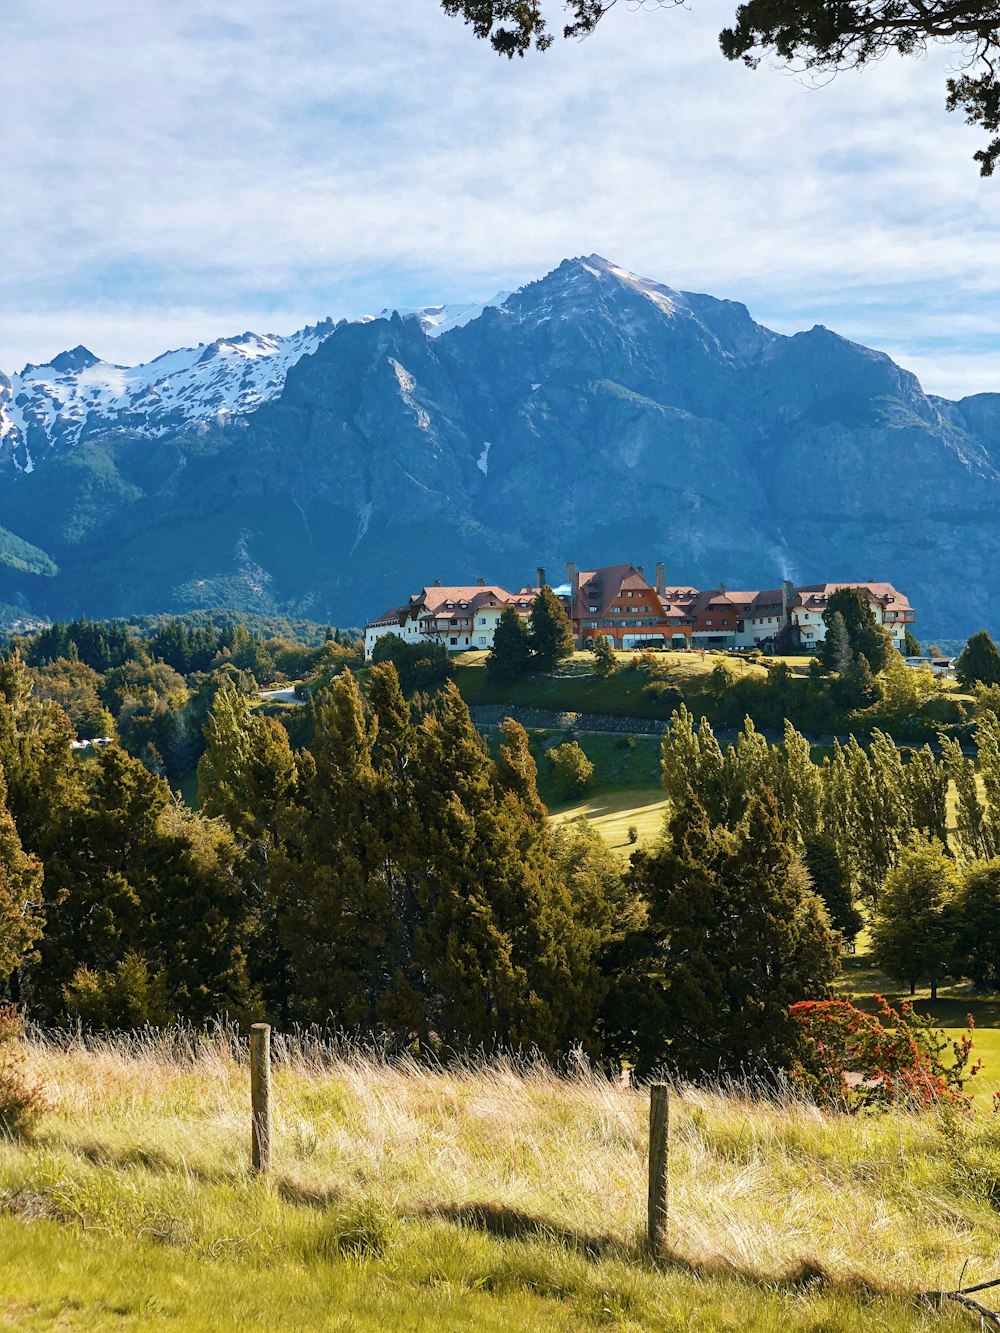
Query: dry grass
(508, 1180)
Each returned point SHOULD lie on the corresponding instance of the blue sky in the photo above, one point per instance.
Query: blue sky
(173, 173)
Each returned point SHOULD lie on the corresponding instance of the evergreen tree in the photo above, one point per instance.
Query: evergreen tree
(335, 910)
(735, 935)
(836, 650)
(247, 774)
(977, 943)
(510, 656)
(500, 951)
(604, 655)
(551, 631)
(911, 644)
(832, 882)
(865, 635)
(913, 932)
(20, 894)
(979, 661)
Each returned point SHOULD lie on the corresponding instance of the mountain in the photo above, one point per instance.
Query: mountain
(591, 416)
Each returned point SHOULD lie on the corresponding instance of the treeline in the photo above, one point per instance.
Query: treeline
(390, 878)
(872, 824)
(153, 691)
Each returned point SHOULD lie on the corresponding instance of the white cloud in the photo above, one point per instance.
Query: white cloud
(171, 176)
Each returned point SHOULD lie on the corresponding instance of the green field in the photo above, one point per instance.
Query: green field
(576, 687)
(490, 1198)
(611, 813)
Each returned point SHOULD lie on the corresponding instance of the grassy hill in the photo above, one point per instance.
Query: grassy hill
(487, 1198)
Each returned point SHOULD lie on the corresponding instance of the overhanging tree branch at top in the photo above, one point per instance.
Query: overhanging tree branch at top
(821, 36)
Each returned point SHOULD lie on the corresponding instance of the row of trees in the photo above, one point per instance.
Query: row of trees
(389, 878)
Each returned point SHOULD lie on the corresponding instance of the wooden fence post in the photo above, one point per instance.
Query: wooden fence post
(659, 1125)
(260, 1098)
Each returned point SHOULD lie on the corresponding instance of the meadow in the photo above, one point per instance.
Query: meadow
(492, 1197)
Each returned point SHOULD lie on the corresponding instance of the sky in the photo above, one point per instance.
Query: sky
(173, 173)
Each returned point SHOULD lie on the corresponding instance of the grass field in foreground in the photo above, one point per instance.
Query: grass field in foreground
(490, 1198)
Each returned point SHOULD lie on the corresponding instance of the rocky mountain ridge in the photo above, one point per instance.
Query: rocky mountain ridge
(593, 415)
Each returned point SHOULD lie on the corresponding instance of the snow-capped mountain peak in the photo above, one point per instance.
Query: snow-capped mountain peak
(76, 395)
(438, 319)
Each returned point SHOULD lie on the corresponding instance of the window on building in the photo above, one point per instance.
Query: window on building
(453, 642)
(482, 639)
(725, 622)
(591, 609)
(482, 620)
(708, 622)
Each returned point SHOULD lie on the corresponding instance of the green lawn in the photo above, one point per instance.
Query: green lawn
(576, 687)
(611, 813)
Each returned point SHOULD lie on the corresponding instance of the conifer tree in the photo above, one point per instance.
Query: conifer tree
(604, 655)
(500, 956)
(735, 936)
(551, 631)
(832, 882)
(247, 773)
(865, 635)
(510, 656)
(836, 650)
(335, 910)
(979, 661)
(20, 894)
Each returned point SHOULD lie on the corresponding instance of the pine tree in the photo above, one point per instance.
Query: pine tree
(836, 650)
(831, 881)
(735, 936)
(247, 774)
(20, 894)
(510, 656)
(604, 655)
(501, 955)
(979, 661)
(334, 903)
(551, 631)
(865, 635)
(913, 932)
(911, 644)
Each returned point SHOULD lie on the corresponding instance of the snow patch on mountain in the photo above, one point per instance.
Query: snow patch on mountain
(77, 396)
(438, 319)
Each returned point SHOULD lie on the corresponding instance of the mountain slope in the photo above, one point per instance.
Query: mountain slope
(593, 415)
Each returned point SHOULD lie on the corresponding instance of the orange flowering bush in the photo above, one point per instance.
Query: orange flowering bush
(854, 1061)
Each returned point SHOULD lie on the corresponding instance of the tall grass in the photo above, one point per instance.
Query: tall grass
(504, 1189)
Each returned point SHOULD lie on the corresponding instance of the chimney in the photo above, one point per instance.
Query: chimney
(640, 571)
(573, 579)
(787, 596)
(661, 577)
(480, 582)
(722, 587)
(437, 583)
(540, 575)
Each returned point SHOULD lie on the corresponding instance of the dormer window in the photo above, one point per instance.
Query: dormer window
(450, 606)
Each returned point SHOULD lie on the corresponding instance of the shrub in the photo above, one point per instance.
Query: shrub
(633, 835)
(854, 1061)
(21, 1102)
(573, 770)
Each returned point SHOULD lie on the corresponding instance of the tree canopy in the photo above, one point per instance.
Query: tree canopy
(808, 35)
